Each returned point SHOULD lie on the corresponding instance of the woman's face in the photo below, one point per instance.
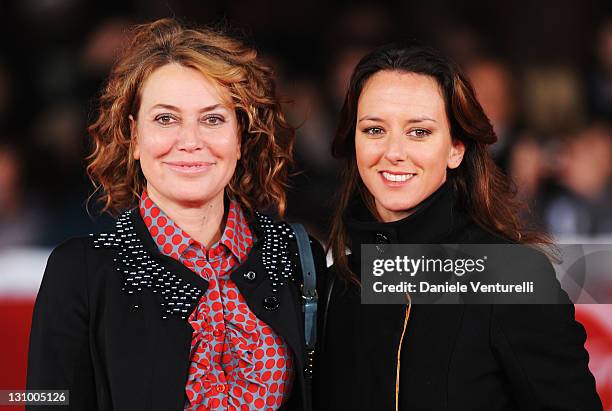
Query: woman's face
(186, 137)
(402, 141)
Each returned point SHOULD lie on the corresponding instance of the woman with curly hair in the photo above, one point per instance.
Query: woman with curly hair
(193, 301)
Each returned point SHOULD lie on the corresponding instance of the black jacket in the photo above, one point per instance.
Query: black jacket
(101, 334)
(447, 357)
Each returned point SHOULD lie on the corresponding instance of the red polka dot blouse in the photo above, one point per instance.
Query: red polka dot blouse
(237, 361)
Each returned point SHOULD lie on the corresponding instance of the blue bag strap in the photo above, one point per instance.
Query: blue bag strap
(309, 293)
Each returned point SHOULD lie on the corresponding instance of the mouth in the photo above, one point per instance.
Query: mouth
(189, 167)
(395, 179)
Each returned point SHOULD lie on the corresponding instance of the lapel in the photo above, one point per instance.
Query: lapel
(286, 318)
(170, 263)
(170, 344)
(278, 306)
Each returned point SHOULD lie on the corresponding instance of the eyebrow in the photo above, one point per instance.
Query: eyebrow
(174, 108)
(410, 121)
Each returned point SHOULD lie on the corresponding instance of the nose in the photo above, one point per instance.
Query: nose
(189, 138)
(395, 151)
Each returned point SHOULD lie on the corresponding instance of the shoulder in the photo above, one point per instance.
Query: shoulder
(314, 244)
(281, 232)
(77, 258)
(279, 235)
(66, 274)
(79, 255)
(472, 233)
(71, 252)
(82, 252)
(73, 245)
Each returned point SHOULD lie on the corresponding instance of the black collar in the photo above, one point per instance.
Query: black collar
(435, 220)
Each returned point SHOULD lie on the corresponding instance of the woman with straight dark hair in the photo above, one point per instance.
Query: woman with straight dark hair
(413, 140)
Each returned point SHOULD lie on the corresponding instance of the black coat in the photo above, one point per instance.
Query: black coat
(114, 351)
(447, 357)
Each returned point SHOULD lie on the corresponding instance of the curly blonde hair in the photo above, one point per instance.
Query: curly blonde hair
(261, 175)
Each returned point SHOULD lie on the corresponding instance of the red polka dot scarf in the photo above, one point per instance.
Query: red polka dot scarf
(237, 361)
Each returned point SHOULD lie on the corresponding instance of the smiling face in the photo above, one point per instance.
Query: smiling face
(186, 137)
(403, 143)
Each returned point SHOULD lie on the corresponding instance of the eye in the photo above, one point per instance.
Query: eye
(213, 120)
(419, 132)
(165, 119)
(373, 131)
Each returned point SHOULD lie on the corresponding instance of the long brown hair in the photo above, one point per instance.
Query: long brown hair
(482, 190)
(260, 179)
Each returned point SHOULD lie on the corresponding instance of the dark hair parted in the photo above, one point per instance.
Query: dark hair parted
(482, 190)
(266, 139)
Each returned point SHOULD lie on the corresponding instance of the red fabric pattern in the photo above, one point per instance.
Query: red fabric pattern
(237, 361)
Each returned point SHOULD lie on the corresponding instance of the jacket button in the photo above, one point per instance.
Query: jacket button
(250, 275)
(381, 238)
(271, 303)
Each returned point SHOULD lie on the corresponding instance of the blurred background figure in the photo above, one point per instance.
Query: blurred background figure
(20, 221)
(492, 82)
(599, 76)
(582, 203)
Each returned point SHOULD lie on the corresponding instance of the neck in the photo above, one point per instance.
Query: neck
(202, 221)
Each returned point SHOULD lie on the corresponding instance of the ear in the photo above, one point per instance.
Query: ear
(456, 154)
(134, 138)
(239, 153)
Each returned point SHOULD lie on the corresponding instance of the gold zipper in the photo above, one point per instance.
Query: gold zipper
(399, 353)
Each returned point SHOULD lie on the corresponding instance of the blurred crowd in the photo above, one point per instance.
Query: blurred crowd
(542, 73)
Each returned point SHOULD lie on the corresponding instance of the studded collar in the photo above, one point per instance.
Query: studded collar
(142, 265)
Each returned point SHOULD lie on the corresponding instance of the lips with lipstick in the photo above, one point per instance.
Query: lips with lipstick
(189, 166)
(396, 177)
